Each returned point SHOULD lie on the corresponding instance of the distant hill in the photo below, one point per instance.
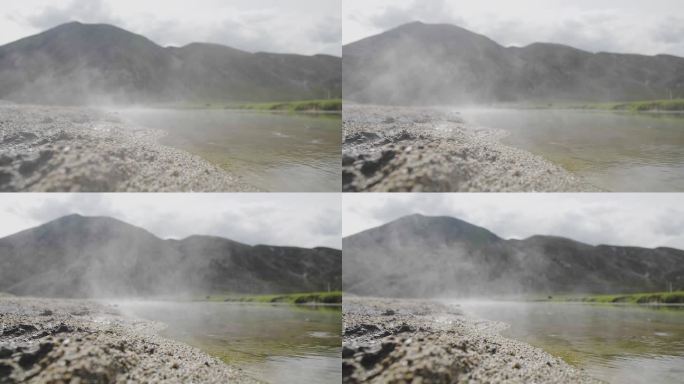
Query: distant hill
(443, 64)
(421, 256)
(95, 63)
(77, 256)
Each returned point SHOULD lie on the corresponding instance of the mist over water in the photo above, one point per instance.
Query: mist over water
(613, 151)
(274, 343)
(273, 152)
(619, 344)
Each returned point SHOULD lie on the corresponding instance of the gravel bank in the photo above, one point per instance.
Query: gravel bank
(407, 149)
(387, 340)
(64, 149)
(60, 341)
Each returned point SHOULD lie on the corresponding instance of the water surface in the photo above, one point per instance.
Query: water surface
(621, 152)
(618, 344)
(273, 343)
(271, 151)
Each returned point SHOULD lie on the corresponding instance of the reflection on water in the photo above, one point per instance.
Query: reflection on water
(618, 344)
(273, 343)
(614, 151)
(273, 152)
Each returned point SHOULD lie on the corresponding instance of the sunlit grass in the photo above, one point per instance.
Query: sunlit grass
(334, 297)
(674, 105)
(334, 105)
(676, 297)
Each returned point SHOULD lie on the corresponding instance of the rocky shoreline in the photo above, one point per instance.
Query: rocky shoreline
(60, 341)
(74, 149)
(412, 149)
(389, 340)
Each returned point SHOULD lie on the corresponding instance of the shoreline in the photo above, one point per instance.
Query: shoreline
(83, 149)
(43, 340)
(404, 340)
(420, 149)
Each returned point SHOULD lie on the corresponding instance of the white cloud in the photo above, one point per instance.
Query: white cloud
(295, 26)
(632, 26)
(305, 220)
(648, 220)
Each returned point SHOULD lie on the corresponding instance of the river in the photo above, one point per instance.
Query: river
(275, 343)
(274, 152)
(615, 343)
(621, 152)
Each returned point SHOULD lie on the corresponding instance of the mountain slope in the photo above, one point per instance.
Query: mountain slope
(91, 63)
(443, 64)
(78, 256)
(439, 256)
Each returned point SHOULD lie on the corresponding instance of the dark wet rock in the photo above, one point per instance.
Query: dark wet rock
(361, 329)
(5, 352)
(29, 358)
(18, 137)
(347, 352)
(374, 165)
(5, 179)
(373, 356)
(35, 161)
(18, 330)
(6, 372)
(5, 160)
(362, 137)
(346, 160)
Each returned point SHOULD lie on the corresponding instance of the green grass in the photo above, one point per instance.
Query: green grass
(675, 105)
(333, 105)
(676, 297)
(334, 297)
(320, 106)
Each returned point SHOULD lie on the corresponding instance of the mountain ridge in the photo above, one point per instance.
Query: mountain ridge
(77, 63)
(420, 63)
(82, 256)
(395, 259)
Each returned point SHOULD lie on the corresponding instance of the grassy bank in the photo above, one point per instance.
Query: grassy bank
(676, 297)
(334, 105)
(676, 105)
(289, 298)
(300, 106)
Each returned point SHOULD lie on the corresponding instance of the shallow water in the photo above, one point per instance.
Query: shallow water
(273, 152)
(618, 344)
(622, 152)
(273, 343)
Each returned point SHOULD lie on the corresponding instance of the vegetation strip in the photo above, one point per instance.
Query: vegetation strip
(676, 297)
(332, 105)
(675, 105)
(334, 297)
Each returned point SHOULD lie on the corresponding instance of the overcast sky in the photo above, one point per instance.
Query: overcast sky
(305, 220)
(648, 220)
(636, 26)
(296, 26)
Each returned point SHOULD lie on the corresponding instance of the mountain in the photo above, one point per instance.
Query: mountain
(91, 63)
(444, 64)
(421, 256)
(76, 256)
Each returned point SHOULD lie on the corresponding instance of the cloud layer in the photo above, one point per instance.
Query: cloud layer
(648, 220)
(626, 26)
(305, 220)
(295, 26)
